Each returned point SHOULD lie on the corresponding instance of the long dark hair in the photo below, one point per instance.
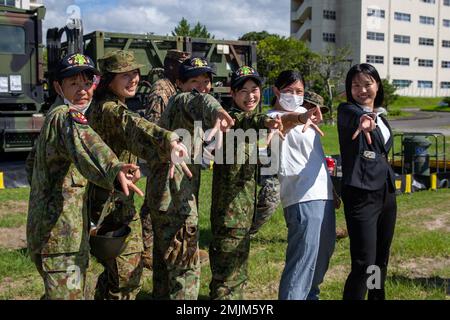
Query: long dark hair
(369, 70)
(286, 78)
(103, 86)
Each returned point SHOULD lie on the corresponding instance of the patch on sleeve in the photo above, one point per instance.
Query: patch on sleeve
(77, 116)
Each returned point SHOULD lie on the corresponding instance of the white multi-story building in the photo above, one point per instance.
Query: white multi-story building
(22, 4)
(408, 41)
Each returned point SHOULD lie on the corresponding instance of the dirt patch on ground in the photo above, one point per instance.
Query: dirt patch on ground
(423, 267)
(9, 207)
(13, 238)
(442, 222)
(9, 285)
(266, 292)
(337, 273)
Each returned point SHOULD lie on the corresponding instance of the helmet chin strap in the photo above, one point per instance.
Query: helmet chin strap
(82, 108)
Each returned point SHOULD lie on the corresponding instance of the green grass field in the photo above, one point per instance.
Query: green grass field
(419, 263)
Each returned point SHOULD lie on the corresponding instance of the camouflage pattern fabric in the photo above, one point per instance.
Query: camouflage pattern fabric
(64, 275)
(121, 279)
(173, 203)
(159, 97)
(65, 156)
(162, 90)
(232, 211)
(119, 61)
(129, 136)
(268, 201)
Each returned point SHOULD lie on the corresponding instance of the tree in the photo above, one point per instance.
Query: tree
(198, 31)
(389, 93)
(255, 36)
(183, 29)
(276, 53)
(329, 72)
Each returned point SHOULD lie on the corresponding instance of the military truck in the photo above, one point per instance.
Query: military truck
(150, 50)
(21, 77)
(25, 87)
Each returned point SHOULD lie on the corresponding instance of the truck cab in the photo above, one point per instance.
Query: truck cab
(21, 77)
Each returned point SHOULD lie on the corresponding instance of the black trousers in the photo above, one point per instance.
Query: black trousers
(370, 217)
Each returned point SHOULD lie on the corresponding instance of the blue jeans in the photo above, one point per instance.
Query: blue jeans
(311, 239)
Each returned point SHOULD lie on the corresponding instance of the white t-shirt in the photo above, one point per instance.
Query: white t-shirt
(302, 168)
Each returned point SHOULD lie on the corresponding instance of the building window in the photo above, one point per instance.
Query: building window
(374, 59)
(402, 16)
(401, 83)
(402, 39)
(446, 64)
(378, 36)
(426, 63)
(429, 1)
(446, 23)
(445, 85)
(446, 2)
(425, 84)
(426, 20)
(372, 12)
(329, 14)
(426, 41)
(329, 37)
(446, 43)
(401, 61)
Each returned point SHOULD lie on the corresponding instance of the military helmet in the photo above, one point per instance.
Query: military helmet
(315, 99)
(177, 55)
(119, 61)
(108, 245)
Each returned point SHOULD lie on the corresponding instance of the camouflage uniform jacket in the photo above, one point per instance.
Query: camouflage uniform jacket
(162, 90)
(184, 108)
(234, 184)
(130, 136)
(67, 153)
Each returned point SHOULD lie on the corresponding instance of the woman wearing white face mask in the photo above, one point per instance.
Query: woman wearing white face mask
(306, 191)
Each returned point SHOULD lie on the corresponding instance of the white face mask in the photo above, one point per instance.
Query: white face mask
(290, 102)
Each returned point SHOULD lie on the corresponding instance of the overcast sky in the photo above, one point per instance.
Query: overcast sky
(226, 19)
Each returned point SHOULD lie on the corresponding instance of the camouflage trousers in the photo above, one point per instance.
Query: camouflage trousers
(228, 254)
(268, 201)
(147, 230)
(176, 265)
(122, 277)
(64, 275)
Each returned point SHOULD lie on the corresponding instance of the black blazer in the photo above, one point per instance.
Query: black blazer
(364, 166)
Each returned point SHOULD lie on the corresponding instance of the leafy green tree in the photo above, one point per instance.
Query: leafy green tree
(255, 36)
(276, 53)
(329, 73)
(184, 29)
(389, 93)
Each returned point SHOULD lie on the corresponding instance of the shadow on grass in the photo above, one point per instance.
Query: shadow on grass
(426, 283)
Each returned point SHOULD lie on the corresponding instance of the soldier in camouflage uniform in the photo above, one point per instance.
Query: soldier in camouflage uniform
(129, 136)
(66, 155)
(267, 202)
(173, 203)
(232, 206)
(159, 96)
